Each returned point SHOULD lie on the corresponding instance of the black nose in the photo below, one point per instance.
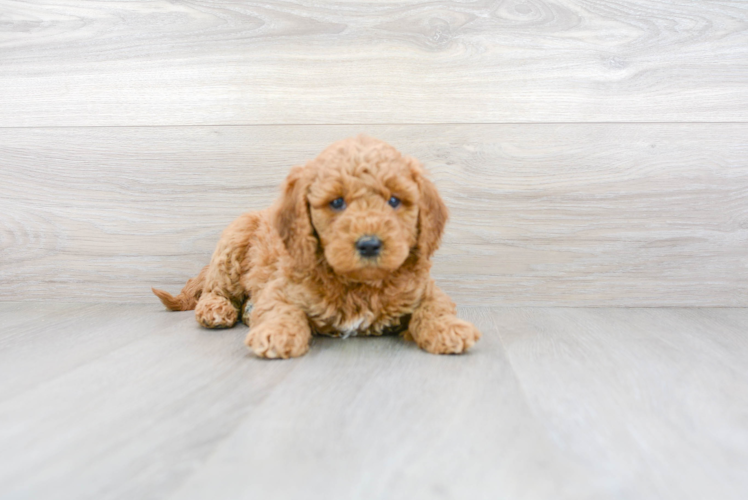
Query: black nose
(368, 246)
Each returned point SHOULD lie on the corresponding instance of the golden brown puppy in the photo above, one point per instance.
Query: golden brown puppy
(346, 250)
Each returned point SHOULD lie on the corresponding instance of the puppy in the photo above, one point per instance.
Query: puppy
(346, 250)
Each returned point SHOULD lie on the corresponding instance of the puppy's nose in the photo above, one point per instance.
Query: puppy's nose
(368, 246)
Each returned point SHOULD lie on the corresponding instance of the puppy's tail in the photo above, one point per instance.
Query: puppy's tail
(187, 298)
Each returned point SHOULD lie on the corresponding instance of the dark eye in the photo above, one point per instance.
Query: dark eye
(337, 204)
(394, 202)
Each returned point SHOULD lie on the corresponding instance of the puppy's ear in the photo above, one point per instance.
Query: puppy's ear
(432, 213)
(292, 218)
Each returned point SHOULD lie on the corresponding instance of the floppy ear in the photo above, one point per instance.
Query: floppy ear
(432, 214)
(292, 218)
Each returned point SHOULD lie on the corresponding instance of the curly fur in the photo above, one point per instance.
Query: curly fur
(293, 270)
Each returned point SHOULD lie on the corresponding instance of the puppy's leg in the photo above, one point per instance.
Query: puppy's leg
(216, 311)
(222, 293)
(278, 328)
(436, 329)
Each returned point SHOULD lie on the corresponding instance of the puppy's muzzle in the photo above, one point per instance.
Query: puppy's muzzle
(369, 246)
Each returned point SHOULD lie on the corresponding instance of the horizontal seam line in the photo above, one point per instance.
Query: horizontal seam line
(3, 127)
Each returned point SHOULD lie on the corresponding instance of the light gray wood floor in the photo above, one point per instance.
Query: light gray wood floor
(129, 401)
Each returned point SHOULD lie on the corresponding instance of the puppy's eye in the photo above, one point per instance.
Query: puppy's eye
(394, 202)
(337, 204)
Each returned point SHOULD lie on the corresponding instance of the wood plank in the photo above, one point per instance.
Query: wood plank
(44, 338)
(651, 401)
(16, 314)
(594, 214)
(125, 402)
(66, 62)
(373, 418)
(187, 413)
(133, 402)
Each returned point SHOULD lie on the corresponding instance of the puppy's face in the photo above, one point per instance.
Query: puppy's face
(365, 213)
(364, 206)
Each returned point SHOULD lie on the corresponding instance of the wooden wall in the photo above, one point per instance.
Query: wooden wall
(591, 153)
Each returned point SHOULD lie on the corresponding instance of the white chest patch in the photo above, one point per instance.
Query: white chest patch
(352, 327)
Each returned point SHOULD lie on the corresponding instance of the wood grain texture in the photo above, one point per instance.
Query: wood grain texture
(67, 62)
(128, 401)
(383, 420)
(597, 214)
(118, 401)
(652, 401)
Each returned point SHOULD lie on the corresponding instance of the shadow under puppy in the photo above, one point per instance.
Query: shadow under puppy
(346, 250)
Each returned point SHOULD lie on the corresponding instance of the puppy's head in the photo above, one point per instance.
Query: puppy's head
(363, 207)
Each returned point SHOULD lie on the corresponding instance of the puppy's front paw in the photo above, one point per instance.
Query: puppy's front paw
(214, 311)
(272, 340)
(447, 336)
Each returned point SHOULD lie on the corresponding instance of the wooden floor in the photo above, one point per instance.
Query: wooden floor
(129, 401)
